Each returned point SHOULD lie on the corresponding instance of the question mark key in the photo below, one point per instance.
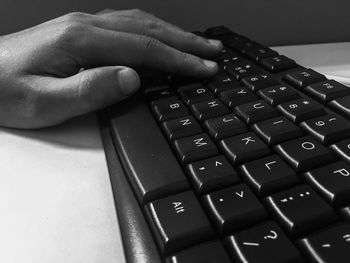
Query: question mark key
(265, 242)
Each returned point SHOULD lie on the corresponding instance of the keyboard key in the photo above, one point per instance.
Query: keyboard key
(160, 93)
(181, 127)
(217, 31)
(223, 82)
(341, 105)
(329, 245)
(235, 97)
(304, 77)
(194, 93)
(225, 126)
(277, 130)
(332, 181)
(243, 148)
(304, 153)
(178, 222)
(342, 148)
(301, 109)
(327, 128)
(258, 52)
(259, 81)
(210, 174)
(194, 148)
(263, 243)
(268, 175)
(241, 70)
(208, 109)
(234, 207)
(212, 252)
(169, 109)
(278, 63)
(277, 94)
(255, 111)
(327, 90)
(300, 209)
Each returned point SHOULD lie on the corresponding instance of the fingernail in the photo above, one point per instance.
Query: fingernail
(129, 81)
(209, 63)
(215, 43)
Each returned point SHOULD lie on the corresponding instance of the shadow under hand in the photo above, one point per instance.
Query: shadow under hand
(81, 132)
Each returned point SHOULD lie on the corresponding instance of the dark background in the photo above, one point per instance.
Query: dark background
(272, 22)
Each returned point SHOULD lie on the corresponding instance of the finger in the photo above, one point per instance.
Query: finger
(87, 91)
(101, 47)
(105, 11)
(152, 26)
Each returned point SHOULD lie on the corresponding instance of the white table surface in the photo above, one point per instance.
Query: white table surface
(56, 202)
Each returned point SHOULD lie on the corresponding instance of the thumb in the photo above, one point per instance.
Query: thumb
(93, 89)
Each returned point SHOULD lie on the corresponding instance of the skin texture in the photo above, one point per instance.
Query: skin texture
(41, 78)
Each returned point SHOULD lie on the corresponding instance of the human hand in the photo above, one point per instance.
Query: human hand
(41, 82)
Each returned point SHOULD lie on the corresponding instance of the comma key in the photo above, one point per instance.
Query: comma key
(178, 221)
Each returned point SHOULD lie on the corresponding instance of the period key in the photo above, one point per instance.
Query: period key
(178, 221)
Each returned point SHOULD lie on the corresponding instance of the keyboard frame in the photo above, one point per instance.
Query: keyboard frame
(139, 243)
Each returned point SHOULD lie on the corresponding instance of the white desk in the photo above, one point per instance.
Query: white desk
(55, 196)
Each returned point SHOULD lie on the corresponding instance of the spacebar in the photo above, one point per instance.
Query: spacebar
(150, 165)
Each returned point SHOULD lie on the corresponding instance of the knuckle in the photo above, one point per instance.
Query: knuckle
(152, 24)
(137, 11)
(148, 43)
(76, 16)
(73, 33)
(193, 37)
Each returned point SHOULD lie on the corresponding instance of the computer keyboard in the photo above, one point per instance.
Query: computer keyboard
(252, 165)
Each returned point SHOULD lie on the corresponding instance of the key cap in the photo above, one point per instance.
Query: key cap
(304, 153)
(263, 243)
(181, 127)
(217, 31)
(341, 105)
(327, 90)
(212, 252)
(300, 209)
(268, 174)
(241, 70)
(160, 92)
(329, 245)
(178, 221)
(194, 93)
(277, 63)
(234, 207)
(342, 149)
(304, 77)
(210, 174)
(223, 82)
(332, 181)
(277, 130)
(208, 109)
(238, 43)
(225, 126)
(194, 148)
(255, 111)
(229, 57)
(169, 109)
(327, 128)
(258, 52)
(243, 148)
(259, 81)
(235, 97)
(301, 109)
(277, 94)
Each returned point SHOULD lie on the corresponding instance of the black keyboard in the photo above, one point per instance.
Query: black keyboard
(252, 165)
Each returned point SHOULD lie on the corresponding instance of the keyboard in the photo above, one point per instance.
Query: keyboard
(251, 165)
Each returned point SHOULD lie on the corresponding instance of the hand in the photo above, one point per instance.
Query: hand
(41, 81)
